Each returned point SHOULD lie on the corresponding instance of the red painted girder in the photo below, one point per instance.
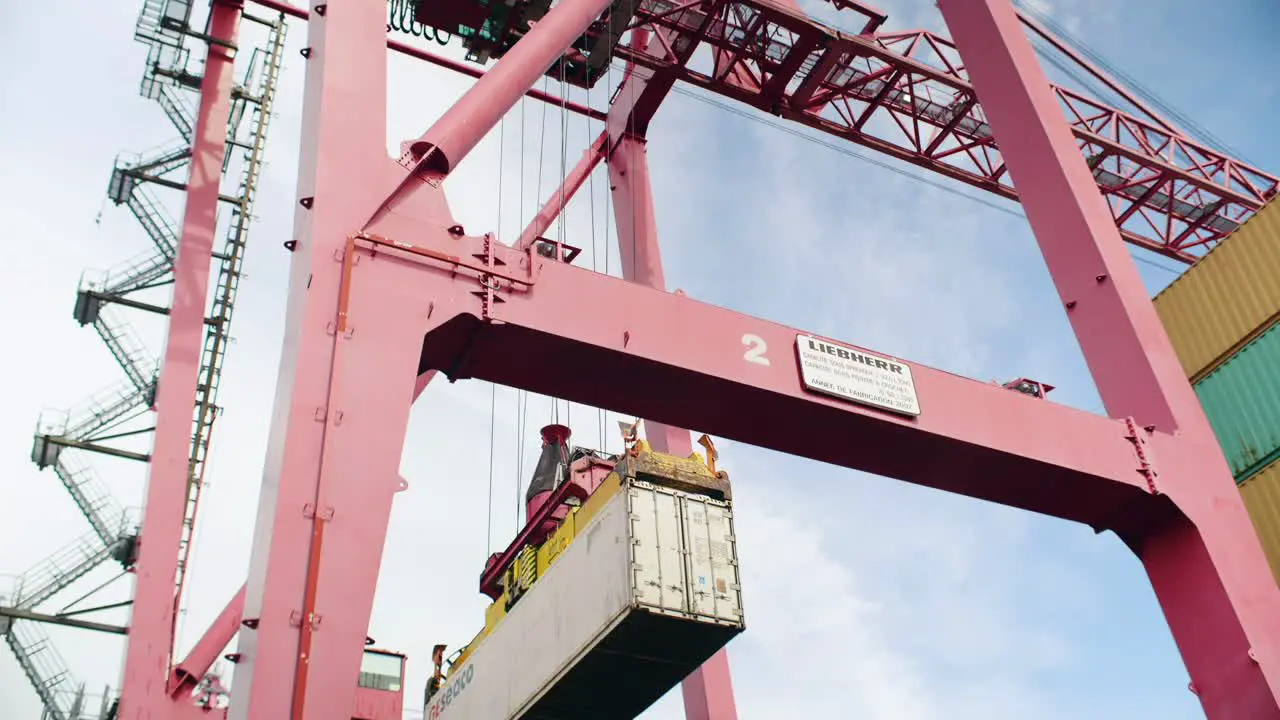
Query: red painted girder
(672, 359)
(188, 673)
(915, 80)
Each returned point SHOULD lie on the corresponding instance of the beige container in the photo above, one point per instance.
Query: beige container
(644, 595)
(1262, 499)
(1229, 297)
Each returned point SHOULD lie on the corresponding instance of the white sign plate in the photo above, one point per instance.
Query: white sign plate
(856, 375)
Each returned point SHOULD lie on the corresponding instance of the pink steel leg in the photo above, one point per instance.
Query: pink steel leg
(147, 658)
(708, 691)
(1200, 551)
(205, 653)
(336, 439)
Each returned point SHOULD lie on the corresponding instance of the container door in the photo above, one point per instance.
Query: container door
(657, 538)
(712, 560)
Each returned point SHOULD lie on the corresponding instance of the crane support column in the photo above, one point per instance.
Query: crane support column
(336, 438)
(146, 671)
(708, 692)
(335, 441)
(188, 673)
(1200, 550)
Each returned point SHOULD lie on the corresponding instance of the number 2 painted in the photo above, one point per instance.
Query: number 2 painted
(756, 348)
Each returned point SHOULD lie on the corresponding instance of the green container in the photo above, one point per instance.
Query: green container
(1242, 400)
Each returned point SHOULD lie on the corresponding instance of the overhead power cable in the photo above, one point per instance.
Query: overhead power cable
(1196, 131)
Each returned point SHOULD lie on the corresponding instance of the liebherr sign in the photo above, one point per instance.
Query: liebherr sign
(856, 375)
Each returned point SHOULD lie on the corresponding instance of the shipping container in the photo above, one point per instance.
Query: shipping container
(1262, 499)
(644, 595)
(1241, 397)
(1229, 296)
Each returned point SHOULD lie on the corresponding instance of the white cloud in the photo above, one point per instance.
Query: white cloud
(814, 626)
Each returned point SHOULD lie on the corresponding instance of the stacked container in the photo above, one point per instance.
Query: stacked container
(1223, 317)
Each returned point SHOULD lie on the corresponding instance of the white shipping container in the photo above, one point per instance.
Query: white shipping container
(642, 597)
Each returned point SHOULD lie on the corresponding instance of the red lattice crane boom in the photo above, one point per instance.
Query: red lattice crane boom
(1168, 193)
(907, 95)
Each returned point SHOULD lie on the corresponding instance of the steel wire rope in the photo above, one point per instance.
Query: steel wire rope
(400, 17)
(520, 394)
(493, 414)
(562, 229)
(560, 220)
(1195, 130)
(1050, 54)
(631, 186)
(522, 402)
(537, 191)
(493, 387)
(609, 209)
(595, 252)
(631, 190)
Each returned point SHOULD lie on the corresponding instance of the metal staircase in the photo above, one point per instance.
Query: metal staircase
(180, 112)
(93, 498)
(134, 357)
(63, 440)
(149, 212)
(44, 668)
(60, 569)
(138, 273)
(100, 411)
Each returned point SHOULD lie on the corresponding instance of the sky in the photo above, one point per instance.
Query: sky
(865, 597)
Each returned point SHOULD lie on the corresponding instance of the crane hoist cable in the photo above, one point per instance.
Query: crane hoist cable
(493, 389)
(521, 398)
(595, 250)
(844, 149)
(563, 226)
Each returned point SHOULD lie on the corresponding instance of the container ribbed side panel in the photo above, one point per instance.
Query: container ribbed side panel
(1262, 500)
(1241, 397)
(1226, 297)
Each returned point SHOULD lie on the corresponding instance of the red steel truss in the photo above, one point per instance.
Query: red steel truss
(387, 290)
(908, 95)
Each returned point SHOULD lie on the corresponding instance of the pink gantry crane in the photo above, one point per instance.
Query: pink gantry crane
(387, 290)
